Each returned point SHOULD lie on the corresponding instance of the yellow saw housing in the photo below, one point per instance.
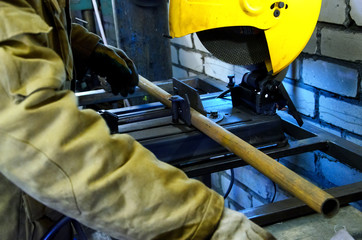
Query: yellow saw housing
(287, 25)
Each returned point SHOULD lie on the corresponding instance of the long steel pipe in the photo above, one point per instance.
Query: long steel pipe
(310, 194)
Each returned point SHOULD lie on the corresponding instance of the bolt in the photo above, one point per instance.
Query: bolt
(214, 115)
(281, 4)
(276, 13)
(231, 81)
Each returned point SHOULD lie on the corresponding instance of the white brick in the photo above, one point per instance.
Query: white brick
(341, 114)
(256, 202)
(174, 55)
(185, 41)
(230, 204)
(341, 44)
(333, 11)
(356, 11)
(281, 195)
(254, 180)
(330, 77)
(311, 46)
(239, 72)
(179, 72)
(191, 60)
(353, 139)
(191, 74)
(294, 69)
(303, 99)
(218, 69)
(338, 173)
(237, 194)
(198, 45)
(304, 161)
(216, 182)
(325, 128)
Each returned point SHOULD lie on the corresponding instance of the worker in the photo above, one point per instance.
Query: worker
(55, 155)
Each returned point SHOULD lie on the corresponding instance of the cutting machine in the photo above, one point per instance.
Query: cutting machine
(263, 35)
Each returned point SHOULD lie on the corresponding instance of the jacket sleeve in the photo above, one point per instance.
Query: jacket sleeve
(65, 157)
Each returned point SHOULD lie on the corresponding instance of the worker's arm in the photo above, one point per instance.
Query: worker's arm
(66, 158)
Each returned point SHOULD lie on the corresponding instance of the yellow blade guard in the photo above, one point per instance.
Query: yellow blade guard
(287, 25)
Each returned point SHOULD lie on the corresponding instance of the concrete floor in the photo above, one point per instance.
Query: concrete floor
(316, 227)
(312, 227)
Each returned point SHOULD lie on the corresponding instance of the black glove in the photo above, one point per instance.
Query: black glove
(113, 64)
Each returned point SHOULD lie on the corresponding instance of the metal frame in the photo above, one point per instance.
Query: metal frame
(300, 140)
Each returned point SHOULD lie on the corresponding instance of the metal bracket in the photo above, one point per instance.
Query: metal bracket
(183, 89)
(181, 109)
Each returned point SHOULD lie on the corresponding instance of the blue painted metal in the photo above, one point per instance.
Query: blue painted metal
(76, 5)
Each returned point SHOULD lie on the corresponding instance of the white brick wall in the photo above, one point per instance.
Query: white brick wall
(191, 60)
(185, 41)
(179, 72)
(354, 140)
(338, 173)
(174, 55)
(356, 11)
(333, 11)
(341, 114)
(341, 44)
(303, 99)
(304, 161)
(311, 46)
(254, 180)
(198, 44)
(329, 129)
(330, 77)
(218, 69)
(237, 194)
(294, 69)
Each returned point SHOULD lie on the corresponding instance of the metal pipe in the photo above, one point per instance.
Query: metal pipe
(99, 21)
(310, 194)
(115, 21)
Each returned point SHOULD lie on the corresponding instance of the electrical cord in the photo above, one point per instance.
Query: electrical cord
(275, 192)
(231, 184)
(275, 188)
(60, 224)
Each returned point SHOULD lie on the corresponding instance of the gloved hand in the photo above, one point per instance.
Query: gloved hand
(113, 64)
(235, 226)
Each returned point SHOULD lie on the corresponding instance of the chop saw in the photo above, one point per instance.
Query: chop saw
(265, 36)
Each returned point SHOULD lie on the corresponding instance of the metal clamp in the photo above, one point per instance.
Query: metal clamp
(181, 109)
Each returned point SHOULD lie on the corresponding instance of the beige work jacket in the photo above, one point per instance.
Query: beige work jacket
(65, 158)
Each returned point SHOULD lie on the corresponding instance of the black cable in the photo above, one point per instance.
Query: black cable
(275, 188)
(231, 184)
(275, 192)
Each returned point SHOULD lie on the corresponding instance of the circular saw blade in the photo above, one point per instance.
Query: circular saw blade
(236, 45)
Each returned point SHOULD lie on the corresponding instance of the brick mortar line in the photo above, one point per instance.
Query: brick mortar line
(345, 63)
(179, 46)
(351, 28)
(348, 19)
